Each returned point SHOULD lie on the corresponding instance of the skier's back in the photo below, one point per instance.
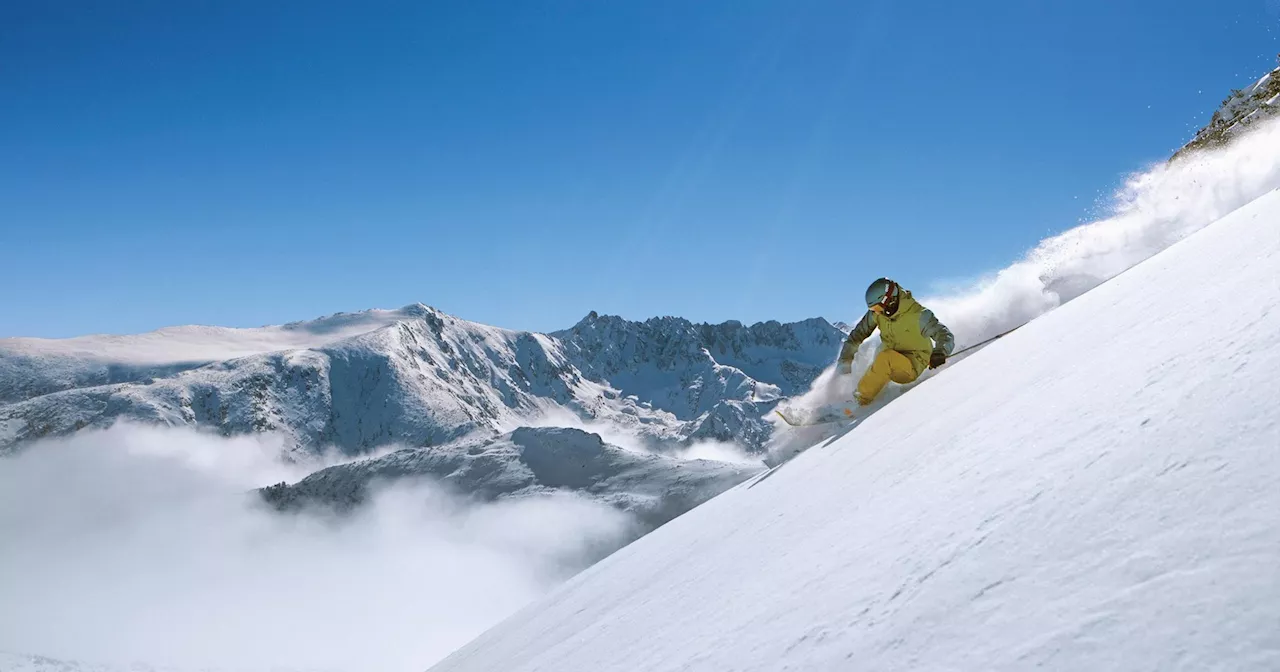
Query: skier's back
(912, 339)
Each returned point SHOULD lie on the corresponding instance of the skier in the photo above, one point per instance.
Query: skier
(911, 339)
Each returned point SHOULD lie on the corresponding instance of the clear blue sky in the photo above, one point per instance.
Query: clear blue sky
(522, 163)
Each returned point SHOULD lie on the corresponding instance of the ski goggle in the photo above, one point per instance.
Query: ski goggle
(882, 302)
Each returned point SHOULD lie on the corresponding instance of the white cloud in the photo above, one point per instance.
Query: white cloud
(719, 451)
(145, 544)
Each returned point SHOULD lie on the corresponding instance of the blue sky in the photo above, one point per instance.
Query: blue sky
(523, 163)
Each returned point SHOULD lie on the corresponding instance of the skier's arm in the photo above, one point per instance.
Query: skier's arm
(861, 332)
(943, 341)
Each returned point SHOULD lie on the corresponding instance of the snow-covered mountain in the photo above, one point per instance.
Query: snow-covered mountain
(1095, 491)
(415, 377)
(531, 462)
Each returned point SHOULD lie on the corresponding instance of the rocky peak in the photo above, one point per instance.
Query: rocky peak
(1239, 110)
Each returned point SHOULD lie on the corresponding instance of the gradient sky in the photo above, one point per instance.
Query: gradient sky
(523, 163)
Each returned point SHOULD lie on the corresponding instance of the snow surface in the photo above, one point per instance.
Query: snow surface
(1095, 491)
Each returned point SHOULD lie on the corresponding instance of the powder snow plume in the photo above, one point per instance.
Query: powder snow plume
(1153, 210)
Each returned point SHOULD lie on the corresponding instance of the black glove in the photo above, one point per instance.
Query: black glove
(937, 359)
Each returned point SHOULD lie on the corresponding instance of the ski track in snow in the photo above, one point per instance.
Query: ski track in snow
(1096, 491)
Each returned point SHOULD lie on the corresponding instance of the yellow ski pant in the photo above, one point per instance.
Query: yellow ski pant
(888, 365)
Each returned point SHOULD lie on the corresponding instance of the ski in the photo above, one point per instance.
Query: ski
(846, 414)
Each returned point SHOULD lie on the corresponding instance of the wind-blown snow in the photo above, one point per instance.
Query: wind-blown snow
(1154, 210)
(1095, 491)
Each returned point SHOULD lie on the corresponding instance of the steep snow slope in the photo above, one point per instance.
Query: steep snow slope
(1096, 491)
(528, 462)
(415, 376)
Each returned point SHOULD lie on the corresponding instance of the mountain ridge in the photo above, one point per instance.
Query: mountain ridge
(1240, 110)
(414, 375)
(528, 462)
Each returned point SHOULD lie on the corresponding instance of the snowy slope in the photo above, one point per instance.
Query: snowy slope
(1096, 491)
(531, 462)
(413, 376)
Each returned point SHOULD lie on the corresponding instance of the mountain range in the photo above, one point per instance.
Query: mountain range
(415, 377)
(530, 462)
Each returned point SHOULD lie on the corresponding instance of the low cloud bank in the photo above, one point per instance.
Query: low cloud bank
(146, 544)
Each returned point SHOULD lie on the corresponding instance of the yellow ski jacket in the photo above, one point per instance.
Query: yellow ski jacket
(913, 331)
